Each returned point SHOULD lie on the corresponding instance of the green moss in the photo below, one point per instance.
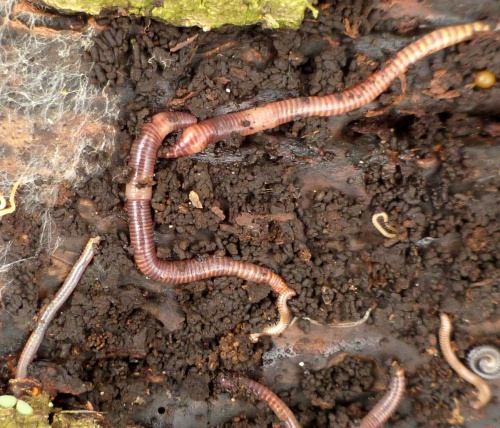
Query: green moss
(11, 418)
(202, 13)
(39, 418)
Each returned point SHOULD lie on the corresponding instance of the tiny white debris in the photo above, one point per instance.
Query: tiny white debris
(301, 364)
(195, 199)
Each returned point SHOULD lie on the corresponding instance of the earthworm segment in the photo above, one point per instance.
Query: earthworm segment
(196, 137)
(139, 193)
(386, 407)
(233, 382)
(484, 391)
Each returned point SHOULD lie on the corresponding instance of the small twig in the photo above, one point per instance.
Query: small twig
(183, 44)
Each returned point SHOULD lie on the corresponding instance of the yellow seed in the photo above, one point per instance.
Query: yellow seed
(485, 79)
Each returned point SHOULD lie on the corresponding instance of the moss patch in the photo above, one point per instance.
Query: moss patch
(206, 14)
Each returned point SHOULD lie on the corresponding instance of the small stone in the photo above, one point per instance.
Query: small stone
(195, 199)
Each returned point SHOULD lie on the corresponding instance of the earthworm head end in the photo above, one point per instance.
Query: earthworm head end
(228, 381)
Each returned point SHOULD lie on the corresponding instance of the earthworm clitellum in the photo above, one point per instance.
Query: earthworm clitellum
(139, 192)
(196, 137)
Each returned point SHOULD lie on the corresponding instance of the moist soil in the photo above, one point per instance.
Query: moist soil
(298, 199)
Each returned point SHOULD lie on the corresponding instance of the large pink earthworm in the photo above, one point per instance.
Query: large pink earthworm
(388, 404)
(232, 382)
(139, 194)
(196, 137)
(382, 411)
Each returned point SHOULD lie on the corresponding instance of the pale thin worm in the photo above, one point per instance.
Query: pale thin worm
(48, 313)
(12, 199)
(139, 193)
(484, 391)
(380, 228)
(197, 137)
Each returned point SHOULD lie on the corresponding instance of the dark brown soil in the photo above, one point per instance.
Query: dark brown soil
(297, 199)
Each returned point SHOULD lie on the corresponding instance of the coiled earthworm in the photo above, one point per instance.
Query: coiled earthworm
(196, 137)
(48, 313)
(233, 382)
(386, 407)
(485, 361)
(139, 193)
(484, 395)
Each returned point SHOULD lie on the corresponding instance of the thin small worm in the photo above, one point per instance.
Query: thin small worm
(139, 193)
(484, 395)
(380, 228)
(196, 137)
(12, 199)
(232, 382)
(485, 361)
(48, 313)
(386, 407)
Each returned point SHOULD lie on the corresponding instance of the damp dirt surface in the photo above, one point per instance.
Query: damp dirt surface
(298, 199)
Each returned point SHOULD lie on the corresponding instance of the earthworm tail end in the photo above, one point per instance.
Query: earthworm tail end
(233, 382)
(386, 407)
(484, 395)
(195, 138)
(48, 313)
(285, 317)
(139, 193)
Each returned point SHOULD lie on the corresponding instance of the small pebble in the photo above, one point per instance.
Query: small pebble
(24, 408)
(7, 401)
